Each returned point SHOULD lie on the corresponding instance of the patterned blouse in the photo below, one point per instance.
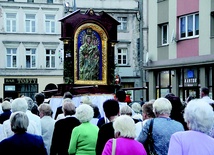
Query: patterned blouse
(162, 130)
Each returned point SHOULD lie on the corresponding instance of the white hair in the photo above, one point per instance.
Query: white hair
(162, 106)
(86, 100)
(136, 107)
(84, 113)
(19, 104)
(125, 126)
(199, 115)
(126, 110)
(6, 105)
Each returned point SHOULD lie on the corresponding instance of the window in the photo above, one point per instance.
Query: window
(10, 22)
(10, 0)
(30, 1)
(212, 24)
(123, 23)
(30, 22)
(30, 58)
(189, 26)
(50, 23)
(164, 34)
(11, 58)
(49, 1)
(50, 58)
(122, 56)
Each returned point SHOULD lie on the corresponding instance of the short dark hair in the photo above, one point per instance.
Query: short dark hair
(121, 95)
(111, 107)
(205, 90)
(40, 97)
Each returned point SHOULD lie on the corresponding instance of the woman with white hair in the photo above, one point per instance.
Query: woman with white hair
(84, 137)
(162, 128)
(124, 134)
(22, 142)
(200, 118)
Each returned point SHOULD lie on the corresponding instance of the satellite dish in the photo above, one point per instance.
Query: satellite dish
(173, 38)
(67, 4)
(147, 57)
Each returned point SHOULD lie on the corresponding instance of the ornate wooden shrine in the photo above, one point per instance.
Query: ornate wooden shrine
(89, 40)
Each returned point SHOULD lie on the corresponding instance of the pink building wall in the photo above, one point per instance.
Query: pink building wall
(188, 47)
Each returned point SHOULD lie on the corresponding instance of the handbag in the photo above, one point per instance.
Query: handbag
(113, 147)
(150, 142)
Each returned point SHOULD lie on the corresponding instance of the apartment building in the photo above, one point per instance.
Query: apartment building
(32, 54)
(181, 47)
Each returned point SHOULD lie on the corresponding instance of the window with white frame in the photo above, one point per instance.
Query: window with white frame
(189, 26)
(164, 34)
(30, 58)
(123, 23)
(10, 22)
(50, 58)
(122, 56)
(30, 22)
(11, 57)
(50, 23)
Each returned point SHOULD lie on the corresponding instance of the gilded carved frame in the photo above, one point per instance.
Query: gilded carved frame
(102, 44)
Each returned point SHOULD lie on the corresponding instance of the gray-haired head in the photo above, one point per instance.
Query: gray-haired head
(124, 126)
(68, 107)
(162, 106)
(84, 113)
(19, 104)
(19, 122)
(6, 105)
(199, 116)
(45, 109)
(126, 110)
(29, 102)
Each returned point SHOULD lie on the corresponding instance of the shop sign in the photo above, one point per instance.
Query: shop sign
(20, 81)
(190, 80)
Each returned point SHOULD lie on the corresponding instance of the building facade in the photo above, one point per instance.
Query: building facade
(32, 54)
(181, 47)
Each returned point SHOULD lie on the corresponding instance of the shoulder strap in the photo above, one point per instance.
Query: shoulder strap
(113, 147)
(150, 127)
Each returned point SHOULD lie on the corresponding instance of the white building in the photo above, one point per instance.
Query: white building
(32, 54)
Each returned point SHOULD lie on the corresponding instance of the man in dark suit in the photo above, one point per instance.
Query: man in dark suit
(111, 109)
(63, 129)
(22, 142)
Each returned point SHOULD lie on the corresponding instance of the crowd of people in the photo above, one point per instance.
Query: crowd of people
(160, 126)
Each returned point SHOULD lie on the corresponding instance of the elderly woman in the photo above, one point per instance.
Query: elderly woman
(124, 134)
(84, 137)
(163, 127)
(199, 117)
(47, 124)
(22, 142)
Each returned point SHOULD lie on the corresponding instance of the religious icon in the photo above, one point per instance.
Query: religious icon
(90, 57)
